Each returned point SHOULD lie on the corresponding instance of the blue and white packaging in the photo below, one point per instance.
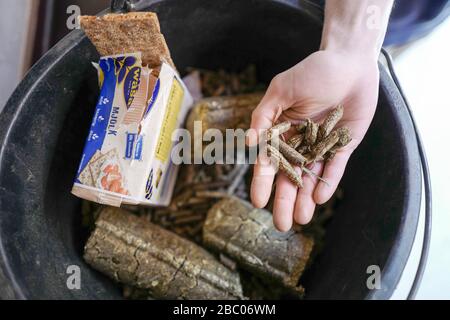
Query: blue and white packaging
(126, 158)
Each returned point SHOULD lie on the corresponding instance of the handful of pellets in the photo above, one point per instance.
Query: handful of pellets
(312, 142)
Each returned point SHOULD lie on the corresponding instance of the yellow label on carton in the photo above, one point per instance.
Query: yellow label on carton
(169, 122)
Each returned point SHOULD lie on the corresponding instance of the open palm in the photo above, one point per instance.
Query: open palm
(309, 90)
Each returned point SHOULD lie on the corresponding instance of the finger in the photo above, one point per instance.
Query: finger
(283, 209)
(333, 172)
(305, 204)
(263, 176)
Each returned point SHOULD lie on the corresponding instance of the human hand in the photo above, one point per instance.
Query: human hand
(310, 89)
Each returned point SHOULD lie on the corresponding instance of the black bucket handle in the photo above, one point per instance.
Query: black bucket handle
(130, 5)
(426, 180)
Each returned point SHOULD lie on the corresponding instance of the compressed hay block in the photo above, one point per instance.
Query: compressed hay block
(136, 252)
(223, 113)
(247, 235)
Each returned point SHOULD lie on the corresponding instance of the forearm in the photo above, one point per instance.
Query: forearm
(356, 26)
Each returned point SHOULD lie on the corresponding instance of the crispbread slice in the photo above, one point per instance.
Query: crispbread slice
(85, 175)
(96, 155)
(130, 32)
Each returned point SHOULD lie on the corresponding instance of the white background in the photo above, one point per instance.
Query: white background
(424, 71)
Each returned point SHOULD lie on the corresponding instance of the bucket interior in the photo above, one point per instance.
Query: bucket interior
(41, 227)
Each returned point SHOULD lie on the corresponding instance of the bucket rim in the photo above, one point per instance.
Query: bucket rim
(54, 55)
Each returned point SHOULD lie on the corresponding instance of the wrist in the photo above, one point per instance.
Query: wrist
(350, 42)
(355, 28)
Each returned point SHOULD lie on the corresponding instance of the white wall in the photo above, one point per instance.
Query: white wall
(424, 73)
(16, 38)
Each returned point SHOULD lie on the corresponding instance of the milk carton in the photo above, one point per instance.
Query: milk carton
(126, 158)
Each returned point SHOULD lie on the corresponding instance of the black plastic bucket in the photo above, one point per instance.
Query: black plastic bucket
(46, 120)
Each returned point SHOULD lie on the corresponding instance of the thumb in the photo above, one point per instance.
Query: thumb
(265, 114)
